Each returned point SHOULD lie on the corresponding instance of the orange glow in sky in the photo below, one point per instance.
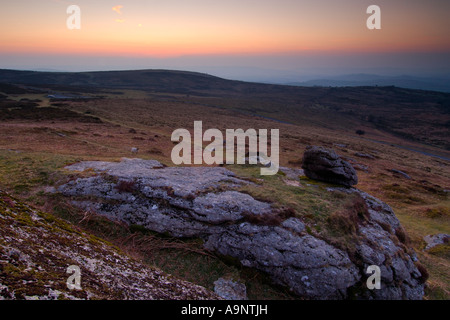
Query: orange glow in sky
(188, 27)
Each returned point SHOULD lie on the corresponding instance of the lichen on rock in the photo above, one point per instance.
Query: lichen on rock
(36, 249)
(204, 202)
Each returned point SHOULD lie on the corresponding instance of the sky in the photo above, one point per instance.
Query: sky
(290, 39)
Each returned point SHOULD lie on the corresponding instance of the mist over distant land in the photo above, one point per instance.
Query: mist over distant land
(428, 71)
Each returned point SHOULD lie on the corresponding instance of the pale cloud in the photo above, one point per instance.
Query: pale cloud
(120, 20)
(117, 8)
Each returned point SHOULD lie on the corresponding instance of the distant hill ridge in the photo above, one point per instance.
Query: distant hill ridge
(139, 79)
(404, 81)
(177, 81)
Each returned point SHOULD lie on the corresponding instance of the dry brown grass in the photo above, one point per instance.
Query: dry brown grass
(146, 123)
(149, 244)
(274, 218)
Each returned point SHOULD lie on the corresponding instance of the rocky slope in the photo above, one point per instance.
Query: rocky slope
(206, 203)
(36, 250)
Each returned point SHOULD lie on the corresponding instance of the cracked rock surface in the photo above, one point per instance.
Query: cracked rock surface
(205, 203)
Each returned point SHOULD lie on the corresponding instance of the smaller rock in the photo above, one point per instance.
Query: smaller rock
(433, 241)
(292, 183)
(292, 173)
(364, 155)
(361, 167)
(230, 290)
(325, 165)
(401, 173)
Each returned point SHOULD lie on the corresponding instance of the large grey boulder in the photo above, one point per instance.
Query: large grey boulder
(308, 266)
(325, 165)
(204, 203)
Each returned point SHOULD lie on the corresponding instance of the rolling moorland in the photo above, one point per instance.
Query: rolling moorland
(401, 154)
(411, 82)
